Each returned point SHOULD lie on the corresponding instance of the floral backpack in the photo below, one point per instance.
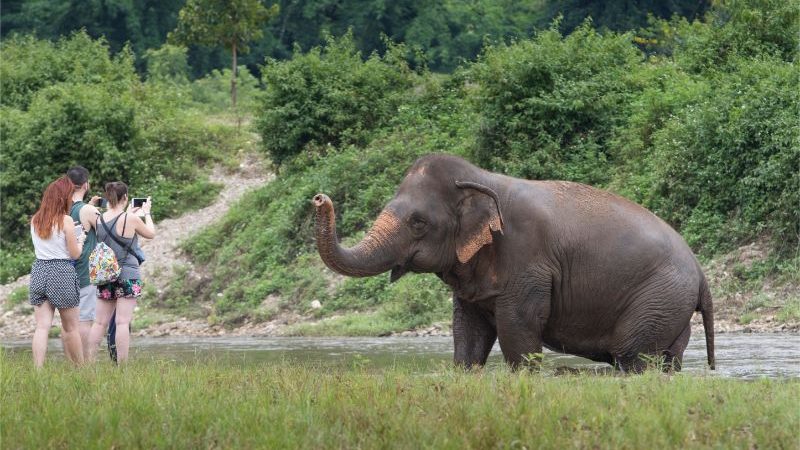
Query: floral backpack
(103, 265)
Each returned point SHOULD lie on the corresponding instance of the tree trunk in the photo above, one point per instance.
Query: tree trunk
(233, 79)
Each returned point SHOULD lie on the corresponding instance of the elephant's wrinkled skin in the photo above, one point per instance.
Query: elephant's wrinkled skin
(534, 263)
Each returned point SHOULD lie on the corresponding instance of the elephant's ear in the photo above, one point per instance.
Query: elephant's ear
(479, 215)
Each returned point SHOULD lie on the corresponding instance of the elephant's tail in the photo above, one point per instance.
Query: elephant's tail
(706, 308)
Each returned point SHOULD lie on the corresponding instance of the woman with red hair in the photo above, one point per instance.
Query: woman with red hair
(54, 282)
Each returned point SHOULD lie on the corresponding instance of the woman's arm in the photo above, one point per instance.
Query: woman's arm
(146, 229)
(74, 245)
(89, 216)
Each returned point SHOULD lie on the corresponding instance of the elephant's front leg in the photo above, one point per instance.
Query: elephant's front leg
(520, 324)
(473, 333)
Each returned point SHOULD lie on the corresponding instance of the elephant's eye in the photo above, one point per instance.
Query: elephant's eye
(418, 224)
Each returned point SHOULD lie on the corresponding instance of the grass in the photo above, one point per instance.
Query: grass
(790, 311)
(159, 404)
(18, 296)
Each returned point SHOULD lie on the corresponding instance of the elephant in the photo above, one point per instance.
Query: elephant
(534, 264)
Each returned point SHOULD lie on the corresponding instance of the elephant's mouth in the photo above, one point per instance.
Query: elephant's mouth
(401, 269)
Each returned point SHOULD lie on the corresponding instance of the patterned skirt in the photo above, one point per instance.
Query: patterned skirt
(54, 280)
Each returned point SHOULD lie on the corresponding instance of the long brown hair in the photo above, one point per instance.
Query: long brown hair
(115, 192)
(55, 205)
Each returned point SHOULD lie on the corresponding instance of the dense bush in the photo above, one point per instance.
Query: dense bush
(727, 167)
(69, 103)
(549, 106)
(329, 97)
(30, 64)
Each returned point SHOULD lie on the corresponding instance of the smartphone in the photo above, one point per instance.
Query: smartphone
(78, 230)
(103, 202)
(138, 202)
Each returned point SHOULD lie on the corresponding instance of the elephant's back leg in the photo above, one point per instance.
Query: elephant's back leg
(656, 323)
(673, 356)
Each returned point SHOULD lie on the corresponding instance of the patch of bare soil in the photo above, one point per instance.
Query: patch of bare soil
(742, 308)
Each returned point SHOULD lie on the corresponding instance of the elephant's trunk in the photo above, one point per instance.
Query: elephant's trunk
(375, 254)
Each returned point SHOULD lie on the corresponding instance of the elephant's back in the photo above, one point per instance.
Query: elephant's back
(590, 216)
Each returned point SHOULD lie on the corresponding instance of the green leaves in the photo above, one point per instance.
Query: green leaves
(329, 97)
(229, 23)
(549, 105)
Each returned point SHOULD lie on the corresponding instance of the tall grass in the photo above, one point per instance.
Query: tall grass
(157, 404)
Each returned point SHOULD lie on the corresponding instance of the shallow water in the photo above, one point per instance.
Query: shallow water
(745, 356)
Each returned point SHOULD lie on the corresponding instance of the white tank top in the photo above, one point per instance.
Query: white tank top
(53, 248)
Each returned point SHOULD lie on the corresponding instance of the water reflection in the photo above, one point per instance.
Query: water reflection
(738, 355)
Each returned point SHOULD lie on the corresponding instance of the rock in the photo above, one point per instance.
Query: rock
(315, 304)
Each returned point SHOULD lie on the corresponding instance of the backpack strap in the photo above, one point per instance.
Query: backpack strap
(115, 238)
(125, 224)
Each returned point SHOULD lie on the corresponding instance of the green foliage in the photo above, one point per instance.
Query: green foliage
(446, 32)
(736, 29)
(790, 312)
(329, 97)
(31, 65)
(229, 23)
(549, 106)
(620, 15)
(167, 63)
(75, 104)
(18, 296)
(213, 91)
(142, 23)
(727, 166)
(450, 32)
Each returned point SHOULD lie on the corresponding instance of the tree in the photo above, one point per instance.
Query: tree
(230, 23)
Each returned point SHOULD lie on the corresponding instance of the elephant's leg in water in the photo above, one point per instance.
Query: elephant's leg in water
(473, 333)
(520, 325)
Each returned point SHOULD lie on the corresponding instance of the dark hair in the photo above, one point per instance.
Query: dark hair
(115, 191)
(78, 175)
(55, 205)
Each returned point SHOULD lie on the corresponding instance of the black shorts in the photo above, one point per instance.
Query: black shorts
(54, 280)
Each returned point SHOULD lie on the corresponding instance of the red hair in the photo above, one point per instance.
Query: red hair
(55, 205)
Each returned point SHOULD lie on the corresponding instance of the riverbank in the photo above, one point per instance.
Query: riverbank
(745, 301)
(150, 404)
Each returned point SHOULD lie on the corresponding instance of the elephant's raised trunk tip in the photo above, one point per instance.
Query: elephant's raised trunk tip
(321, 199)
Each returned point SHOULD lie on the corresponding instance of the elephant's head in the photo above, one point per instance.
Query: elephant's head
(443, 213)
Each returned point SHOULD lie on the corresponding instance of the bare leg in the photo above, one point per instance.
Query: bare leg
(71, 337)
(103, 313)
(124, 316)
(44, 319)
(84, 327)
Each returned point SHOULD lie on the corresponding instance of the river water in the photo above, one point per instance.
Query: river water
(745, 356)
